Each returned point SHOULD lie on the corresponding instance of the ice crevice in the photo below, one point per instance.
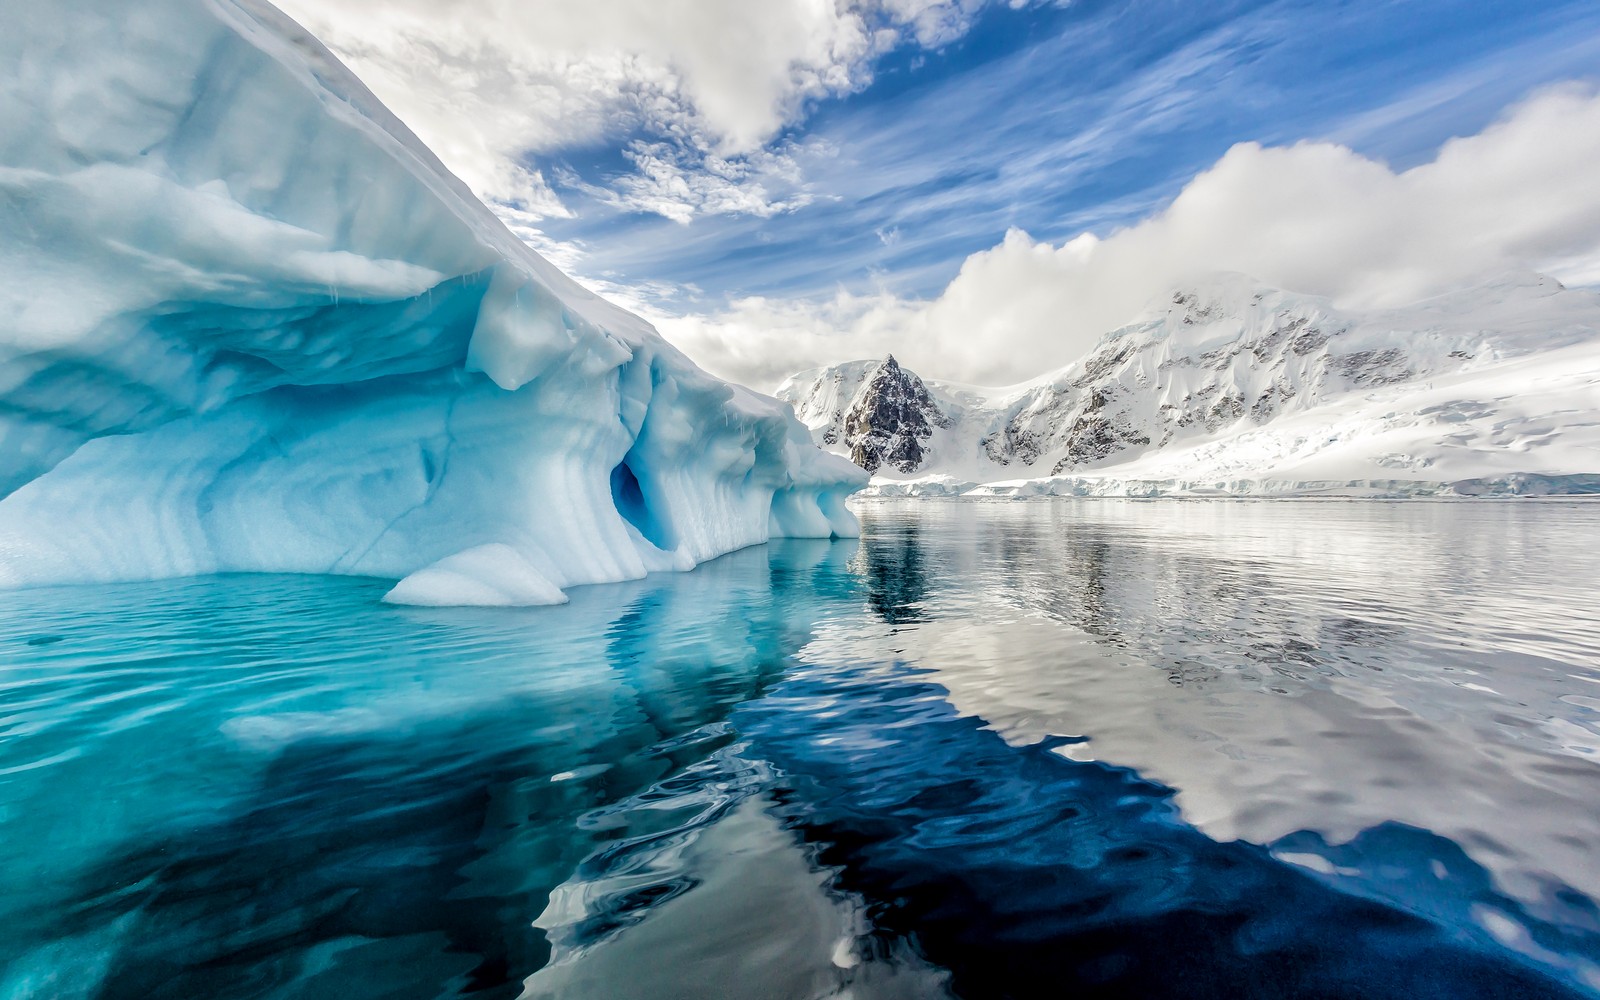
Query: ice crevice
(249, 323)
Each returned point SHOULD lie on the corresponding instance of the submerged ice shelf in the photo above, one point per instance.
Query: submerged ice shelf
(252, 324)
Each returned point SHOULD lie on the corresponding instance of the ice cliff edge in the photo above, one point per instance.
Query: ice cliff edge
(249, 323)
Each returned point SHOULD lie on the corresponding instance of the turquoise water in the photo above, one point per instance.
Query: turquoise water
(1013, 749)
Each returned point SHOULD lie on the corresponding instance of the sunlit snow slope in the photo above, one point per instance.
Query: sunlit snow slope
(1230, 388)
(248, 323)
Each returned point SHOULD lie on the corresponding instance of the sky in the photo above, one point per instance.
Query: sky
(984, 187)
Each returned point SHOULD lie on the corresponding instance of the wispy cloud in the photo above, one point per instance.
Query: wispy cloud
(681, 181)
(1311, 217)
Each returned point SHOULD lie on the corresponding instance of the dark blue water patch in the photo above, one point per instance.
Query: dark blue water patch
(1433, 876)
(1028, 874)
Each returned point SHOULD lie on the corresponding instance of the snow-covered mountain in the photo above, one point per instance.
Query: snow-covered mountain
(1228, 387)
(886, 419)
(249, 323)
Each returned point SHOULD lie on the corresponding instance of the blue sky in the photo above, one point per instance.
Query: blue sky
(1059, 120)
(787, 183)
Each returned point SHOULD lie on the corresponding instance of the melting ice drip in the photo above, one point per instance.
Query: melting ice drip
(252, 324)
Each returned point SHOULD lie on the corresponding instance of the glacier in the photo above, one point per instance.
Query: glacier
(253, 324)
(1228, 387)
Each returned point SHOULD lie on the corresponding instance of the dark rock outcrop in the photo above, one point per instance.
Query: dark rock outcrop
(891, 419)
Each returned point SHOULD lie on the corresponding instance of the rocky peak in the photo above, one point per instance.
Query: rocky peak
(891, 419)
(1205, 366)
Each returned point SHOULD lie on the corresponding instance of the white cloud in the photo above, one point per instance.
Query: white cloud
(680, 182)
(938, 22)
(1314, 217)
(935, 22)
(489, 83)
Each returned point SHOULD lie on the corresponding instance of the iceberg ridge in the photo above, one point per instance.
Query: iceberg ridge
(254, 325)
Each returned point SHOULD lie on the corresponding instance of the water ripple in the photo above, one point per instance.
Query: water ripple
(1105, 748)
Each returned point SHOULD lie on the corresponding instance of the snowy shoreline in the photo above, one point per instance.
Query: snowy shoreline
(1530, 487)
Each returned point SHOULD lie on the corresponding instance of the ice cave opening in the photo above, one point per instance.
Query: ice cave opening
(635, 507)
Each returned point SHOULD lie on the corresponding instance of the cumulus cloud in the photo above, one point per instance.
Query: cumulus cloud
(1314, 217)
(695, 91)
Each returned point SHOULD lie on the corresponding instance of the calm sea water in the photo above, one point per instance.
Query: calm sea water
(1092, 749)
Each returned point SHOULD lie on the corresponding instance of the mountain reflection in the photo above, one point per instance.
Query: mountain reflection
(896, 573)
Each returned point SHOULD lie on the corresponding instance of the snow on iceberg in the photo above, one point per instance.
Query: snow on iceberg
(252, 324)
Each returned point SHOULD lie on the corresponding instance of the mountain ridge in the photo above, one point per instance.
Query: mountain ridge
(1227, 382)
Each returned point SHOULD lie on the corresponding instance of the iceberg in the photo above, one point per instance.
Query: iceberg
(253, 324)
